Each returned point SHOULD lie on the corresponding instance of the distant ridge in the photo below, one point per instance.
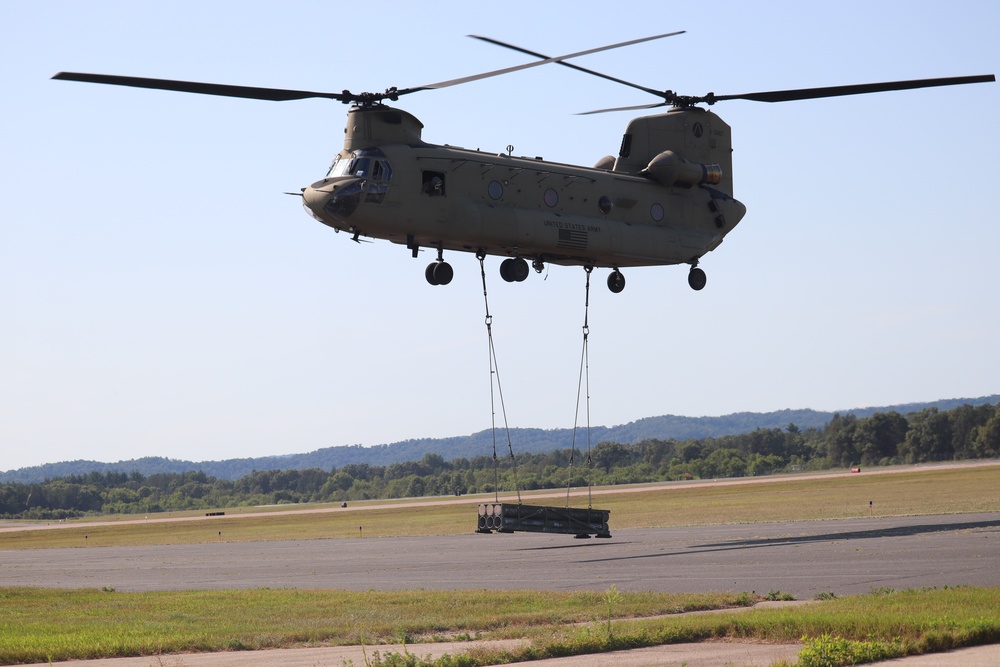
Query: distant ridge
(526, 440)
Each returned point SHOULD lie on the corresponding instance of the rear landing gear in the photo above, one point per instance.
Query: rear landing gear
(616, 281)
(697, 278)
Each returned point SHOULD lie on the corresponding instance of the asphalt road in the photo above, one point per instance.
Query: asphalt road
(844, 557)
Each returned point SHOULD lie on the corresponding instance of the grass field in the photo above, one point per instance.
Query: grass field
(935, 490)
(45, 624)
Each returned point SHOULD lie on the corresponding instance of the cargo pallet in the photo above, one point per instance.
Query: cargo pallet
(512, 517)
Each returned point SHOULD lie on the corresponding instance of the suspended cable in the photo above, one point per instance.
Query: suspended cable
(583, 382)
(495, 383)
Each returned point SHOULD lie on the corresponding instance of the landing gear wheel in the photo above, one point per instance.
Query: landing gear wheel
(443, 273)
(439, 273)
(505, 271)
(514, 269)
(518, 269)
(697, 279)
(429, 273)
(616, 281)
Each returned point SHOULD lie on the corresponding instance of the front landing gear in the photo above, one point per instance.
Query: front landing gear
(514, 270)
(439, 272)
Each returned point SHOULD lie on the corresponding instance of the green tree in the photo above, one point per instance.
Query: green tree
(434, 462)
(724, 462)
(986, 440)
(656, 453)
(965, 422)
(608, 455)
(929, 437)
(879, 436)
(769, 441)
(689, 450)
(839, 437)
(764, 465)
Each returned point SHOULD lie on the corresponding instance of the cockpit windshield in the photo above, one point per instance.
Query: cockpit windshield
(368, 163)
(339, 167)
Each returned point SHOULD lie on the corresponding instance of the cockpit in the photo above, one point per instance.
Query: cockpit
(354, 178)
(369, 163)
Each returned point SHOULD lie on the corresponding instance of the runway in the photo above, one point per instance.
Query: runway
(844, 557)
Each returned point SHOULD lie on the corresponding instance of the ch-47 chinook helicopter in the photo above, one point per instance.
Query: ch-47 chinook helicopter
(666, 199)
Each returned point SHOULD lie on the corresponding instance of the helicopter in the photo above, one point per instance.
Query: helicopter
(665, 199)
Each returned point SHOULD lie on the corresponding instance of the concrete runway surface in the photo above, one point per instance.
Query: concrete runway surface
(844, 557)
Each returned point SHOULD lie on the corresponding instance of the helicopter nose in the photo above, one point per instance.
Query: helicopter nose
(332, 201)
(313, 198)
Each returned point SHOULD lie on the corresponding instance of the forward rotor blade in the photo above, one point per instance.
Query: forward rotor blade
(859, 89)
(544, 61)
(280, 94)
(651, 91)
(272, 94)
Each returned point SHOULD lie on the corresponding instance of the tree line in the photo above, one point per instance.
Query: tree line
(885, 438)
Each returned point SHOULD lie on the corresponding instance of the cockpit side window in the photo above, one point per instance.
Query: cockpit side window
(381, 171)
(361, 166)
(371, 165)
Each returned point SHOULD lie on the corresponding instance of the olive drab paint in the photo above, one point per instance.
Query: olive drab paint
(640, 212)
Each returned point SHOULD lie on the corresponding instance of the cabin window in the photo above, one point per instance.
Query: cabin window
(432, 183)
(551, 197)
(604, 204)
(495, 189)
(656, 212)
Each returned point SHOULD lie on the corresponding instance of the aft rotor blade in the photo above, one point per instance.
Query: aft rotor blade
(544, 61)
(859, 89)
(636, 107)
(272, 94)
(651, 91)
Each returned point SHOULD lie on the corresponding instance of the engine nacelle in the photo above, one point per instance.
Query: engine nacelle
(671, 170)
(607, 163)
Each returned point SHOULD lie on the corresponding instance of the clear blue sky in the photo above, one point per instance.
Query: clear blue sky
(161, 296)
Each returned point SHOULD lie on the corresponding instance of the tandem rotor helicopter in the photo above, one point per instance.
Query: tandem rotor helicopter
(667, 198)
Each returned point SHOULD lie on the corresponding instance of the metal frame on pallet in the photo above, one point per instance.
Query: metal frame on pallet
(513, 517)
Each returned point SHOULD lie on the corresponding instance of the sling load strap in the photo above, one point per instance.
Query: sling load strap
(583, 381)
(495, 373)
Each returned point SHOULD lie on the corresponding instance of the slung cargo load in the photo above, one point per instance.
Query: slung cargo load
(512, 517)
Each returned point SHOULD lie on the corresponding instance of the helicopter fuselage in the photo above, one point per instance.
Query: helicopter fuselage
(387, 184)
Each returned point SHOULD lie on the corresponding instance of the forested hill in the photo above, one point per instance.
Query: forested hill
(534, 441)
